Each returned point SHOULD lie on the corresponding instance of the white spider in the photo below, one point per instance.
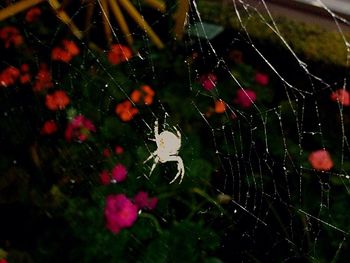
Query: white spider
(168, 145)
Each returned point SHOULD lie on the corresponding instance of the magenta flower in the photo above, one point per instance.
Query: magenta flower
(105, 177)
(245, 98)
(262, 79)
(208, 81)
(79, 128)
(119, 173)
(119, 213)
(142, 201)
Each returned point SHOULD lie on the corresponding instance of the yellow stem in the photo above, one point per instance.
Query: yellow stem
(180, 18)
(20, 6)
(63, 16)
(156, 4)
(88, 17)
(106, 21)
(141, 22)
(121, 21)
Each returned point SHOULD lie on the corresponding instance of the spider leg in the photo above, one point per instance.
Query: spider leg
(156, 129)
(180, 168)
(156, 160)
(150, 157)
(177, 132)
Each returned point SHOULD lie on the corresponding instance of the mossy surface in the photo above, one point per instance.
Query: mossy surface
(311, 42)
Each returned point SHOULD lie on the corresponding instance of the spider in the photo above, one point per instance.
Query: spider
(168, 145)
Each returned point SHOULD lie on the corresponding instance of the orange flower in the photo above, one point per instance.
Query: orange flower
(118, 54)
(9, 76)
(57, 100)
(43, 79)
(220, 106)
(25, 76)
(321, 160)
(11, 36)
(342, 96)
(144, 94)
(126, 111)
(33, 14)
(65, 52)
(70, 47)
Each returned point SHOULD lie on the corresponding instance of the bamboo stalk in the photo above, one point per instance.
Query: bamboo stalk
(88, 17)
(106, 20)
(180, 18)
(63, 16)
(157, 4)
(121, 21)
(18, 7)
(141, 22)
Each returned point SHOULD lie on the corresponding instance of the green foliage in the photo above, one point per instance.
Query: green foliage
(235, 151)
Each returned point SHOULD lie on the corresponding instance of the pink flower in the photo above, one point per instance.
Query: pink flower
(119, 212)
(342, 96)
(119, 173)
(262, 79)
(142, 201)
(321, 160)
(208, 81)
(105, 177)
(79, 128)
(245, 98)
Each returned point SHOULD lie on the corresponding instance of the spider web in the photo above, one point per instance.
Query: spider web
(278, 208)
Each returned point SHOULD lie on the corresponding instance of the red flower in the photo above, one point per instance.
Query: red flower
(208, 81)
(143, 201)
(321, 160)
(65, 52)
(119, 213)
(119, 173)
(118, 54)
(57, 100)
(118, 149)
(105, 177)
(3, 260)
(9, 76)
(262, 79)
(342, 96)
(49, 127)
(43, 79)
(33, 14)
(245, 98)
(11, 36)
(106, 153)
(79, 128)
